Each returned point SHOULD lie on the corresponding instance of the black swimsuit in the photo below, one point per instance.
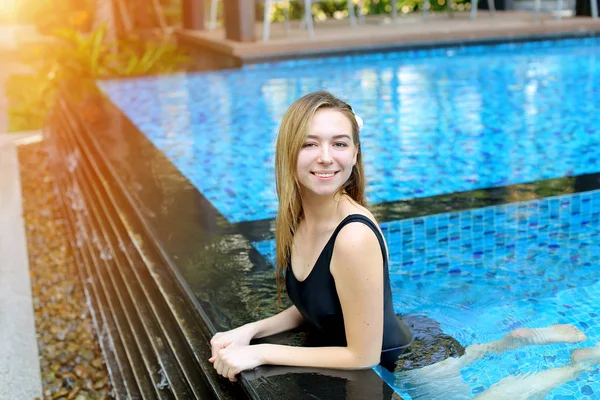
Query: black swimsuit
(317, 300)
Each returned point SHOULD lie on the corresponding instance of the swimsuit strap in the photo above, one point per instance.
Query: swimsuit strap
(367, 221)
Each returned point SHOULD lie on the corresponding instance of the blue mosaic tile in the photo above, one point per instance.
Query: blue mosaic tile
(587, 390)
(525, 268)
(436, 121)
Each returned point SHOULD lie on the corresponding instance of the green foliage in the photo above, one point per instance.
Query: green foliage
(141, 57)
(73, 55)
(69, 55)
(331, 8)
(77, 59)
(27, 95)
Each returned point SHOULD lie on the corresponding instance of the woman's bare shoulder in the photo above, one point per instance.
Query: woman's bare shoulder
(351, 207)
(356, 245)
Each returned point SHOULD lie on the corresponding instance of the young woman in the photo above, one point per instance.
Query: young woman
(332, 259)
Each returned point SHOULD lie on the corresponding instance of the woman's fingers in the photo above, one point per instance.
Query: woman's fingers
(225, 372)
(216, 343)
(231, 375)
(217, 364)
(215, 347)
(213, 342)
(222, 367)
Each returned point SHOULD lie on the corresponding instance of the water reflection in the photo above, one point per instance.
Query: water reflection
(433, 125)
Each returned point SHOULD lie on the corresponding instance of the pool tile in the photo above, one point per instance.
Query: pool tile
(485, 116)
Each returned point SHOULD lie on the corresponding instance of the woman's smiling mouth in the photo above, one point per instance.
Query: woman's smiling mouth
(324, 175)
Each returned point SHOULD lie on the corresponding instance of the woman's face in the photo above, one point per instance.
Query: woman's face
(327, 156)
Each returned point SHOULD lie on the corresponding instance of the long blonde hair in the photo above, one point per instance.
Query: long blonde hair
(292, 134)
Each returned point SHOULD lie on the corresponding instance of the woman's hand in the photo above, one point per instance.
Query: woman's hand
(231, 360)
(237, 337)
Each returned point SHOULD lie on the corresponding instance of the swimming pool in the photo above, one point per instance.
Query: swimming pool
(437, 122)
(495, 269)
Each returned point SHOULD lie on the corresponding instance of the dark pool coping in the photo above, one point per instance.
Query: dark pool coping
(263, 229)
(143, 307)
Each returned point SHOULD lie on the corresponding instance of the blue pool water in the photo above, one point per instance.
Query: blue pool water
(495, 269)
(436, 122)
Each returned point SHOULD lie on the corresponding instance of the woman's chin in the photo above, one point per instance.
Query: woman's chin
(323, 192)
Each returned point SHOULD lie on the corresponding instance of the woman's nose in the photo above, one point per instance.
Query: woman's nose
(324, 156)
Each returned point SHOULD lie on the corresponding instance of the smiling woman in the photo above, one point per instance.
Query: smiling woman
(330, 252)
(329, 154)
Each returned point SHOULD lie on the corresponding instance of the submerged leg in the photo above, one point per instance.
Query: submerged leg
(587, 357)
(444, 377)
(531, 386)
(512, 340)
(538, 336)
(539, 385)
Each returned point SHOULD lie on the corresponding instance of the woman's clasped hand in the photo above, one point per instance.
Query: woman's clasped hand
(232, 353)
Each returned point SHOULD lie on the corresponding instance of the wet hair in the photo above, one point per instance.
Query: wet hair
(292, 134)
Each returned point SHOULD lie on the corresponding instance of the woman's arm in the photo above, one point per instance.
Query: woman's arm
(241, 336)
(284, 321)
(315, 357)
(357, 267)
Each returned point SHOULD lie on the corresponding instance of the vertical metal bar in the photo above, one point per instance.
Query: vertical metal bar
(492, 7)
(308, 18)
(267, 21)
(474, 5)
(537, 10)
(351, 13)
(212, 25)
(594, 7)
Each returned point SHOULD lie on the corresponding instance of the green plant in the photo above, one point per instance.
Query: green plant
(77, 59)
(142, 57)
(70, 54)
(73, 55)
(27, 99)
(327, 9)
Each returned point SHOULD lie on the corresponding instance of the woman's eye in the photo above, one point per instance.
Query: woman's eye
(340, 144)
(308, 145)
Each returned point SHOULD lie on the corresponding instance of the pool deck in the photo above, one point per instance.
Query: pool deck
(379, 33)
(20, 376)
(19, 359)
